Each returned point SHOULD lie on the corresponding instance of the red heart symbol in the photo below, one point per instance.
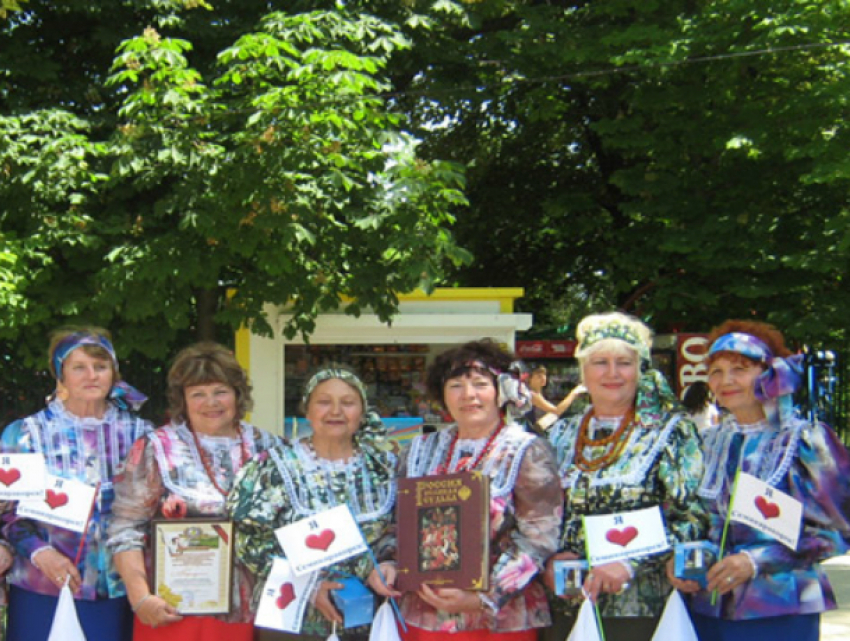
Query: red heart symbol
(8, 477)
(287, 596)
(621, 537)
(768, 510)
(321, 541)
(56, 499)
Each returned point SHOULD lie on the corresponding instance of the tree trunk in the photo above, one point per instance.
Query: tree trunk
(206, 304)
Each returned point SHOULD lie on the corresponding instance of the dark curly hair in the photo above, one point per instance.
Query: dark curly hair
(765, 332)
(461, 360)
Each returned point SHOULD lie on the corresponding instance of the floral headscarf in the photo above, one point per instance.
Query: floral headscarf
(372, 428)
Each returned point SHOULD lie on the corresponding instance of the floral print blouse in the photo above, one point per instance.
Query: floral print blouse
(165, 477)
(91, 450)
(806, 461)
(526, 509)
(660, 465)
(291, 482)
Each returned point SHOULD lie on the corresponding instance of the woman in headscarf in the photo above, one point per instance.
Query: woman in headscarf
(85, 433)
(633, 448)
(765, 590)
(347, 460)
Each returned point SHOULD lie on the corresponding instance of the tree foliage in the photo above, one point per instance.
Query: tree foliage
(686, 161)
(149, 172)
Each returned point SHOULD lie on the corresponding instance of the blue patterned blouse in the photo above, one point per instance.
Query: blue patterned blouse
(91, 450)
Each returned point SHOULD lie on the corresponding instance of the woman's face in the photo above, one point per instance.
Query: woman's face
(87, 379)
(611, 379)
(537, 381)
(733, 382)
(472, 400)
(334, 410)
(211, 408)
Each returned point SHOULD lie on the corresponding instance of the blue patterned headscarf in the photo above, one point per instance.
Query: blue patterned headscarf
(124, 395)
(780, 379)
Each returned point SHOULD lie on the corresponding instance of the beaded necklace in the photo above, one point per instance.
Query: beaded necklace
(205, 457)
(463, 465)
(616, 442)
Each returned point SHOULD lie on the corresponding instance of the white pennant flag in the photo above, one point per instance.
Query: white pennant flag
(767, 509)
(66, 624)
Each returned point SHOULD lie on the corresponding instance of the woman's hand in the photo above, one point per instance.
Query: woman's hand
(685, 586)
(385, 586)
(6, 559)
(728, 574)
(549, 572)
(156, 611)
(57, 567)
(323, 603)
(610, 578)
(450, 600)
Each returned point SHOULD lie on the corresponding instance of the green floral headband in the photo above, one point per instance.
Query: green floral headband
(331, 373)
(616, 331)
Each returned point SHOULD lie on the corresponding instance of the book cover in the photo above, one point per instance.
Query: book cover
(444, 532)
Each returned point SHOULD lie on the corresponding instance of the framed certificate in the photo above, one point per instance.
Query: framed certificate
(193, 564)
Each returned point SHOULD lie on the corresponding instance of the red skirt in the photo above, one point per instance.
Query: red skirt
(418, 634)
(194, 628)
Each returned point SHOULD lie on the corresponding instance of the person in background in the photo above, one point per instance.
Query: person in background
(526, 504)
(85, 433)
(699, 402)
(185, 469)
(633, 448)
(544, 413)
(766, 591)
(346, 460)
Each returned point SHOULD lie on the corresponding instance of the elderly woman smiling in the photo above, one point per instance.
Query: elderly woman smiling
(633, 448)
(85, 434)
(526, 506)
(766, 590)
(186, 469)
(346, 461)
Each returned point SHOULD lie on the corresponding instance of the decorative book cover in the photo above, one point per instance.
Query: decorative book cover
(444, 531)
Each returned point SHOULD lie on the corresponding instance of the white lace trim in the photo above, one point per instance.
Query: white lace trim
(633, 468)
(314, 476)
(429, 451)
(182, 470)
(770, 461)
(50, 437)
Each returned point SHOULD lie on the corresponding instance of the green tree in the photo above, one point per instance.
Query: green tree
(221, 150)
(684, 160)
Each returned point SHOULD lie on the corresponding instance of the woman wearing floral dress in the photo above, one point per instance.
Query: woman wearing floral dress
(526, 504)
(346, 461)
(185, 469)
(633, 448)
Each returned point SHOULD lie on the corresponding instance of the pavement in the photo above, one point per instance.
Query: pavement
(835, 625)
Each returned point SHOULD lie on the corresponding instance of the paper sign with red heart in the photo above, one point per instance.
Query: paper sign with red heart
(621, 537)
(287, 596)
(321, 541)
(768, 509)
(56, 499)
(8, 477)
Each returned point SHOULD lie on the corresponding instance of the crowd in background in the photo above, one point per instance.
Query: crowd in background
(629, 445)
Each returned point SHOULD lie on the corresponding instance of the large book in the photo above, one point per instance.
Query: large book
(444, 532)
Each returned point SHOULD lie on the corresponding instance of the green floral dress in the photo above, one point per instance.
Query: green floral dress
(661, 465)
(289, 483)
